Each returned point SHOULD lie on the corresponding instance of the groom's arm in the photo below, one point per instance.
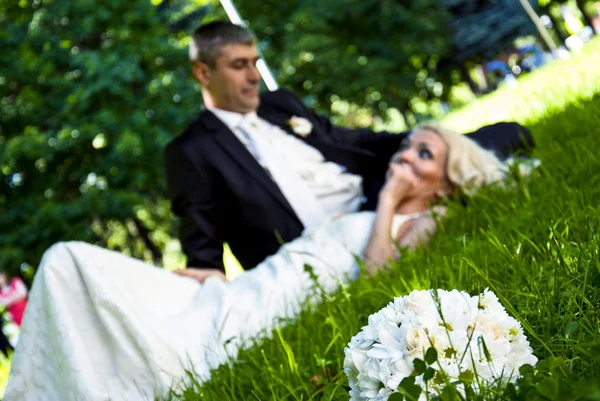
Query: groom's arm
(194, 201)
(503, 138)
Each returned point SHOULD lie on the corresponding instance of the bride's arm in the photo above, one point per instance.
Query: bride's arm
(382, 247)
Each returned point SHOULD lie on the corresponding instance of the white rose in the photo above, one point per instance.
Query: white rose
(417, 341)
(301, 126)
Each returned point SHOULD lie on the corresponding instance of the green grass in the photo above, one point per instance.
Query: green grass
(4, 371)
(536, 245)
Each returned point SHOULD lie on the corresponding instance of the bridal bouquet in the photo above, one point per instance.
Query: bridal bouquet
(430, 338)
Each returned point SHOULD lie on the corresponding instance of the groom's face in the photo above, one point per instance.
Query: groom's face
(233, 83)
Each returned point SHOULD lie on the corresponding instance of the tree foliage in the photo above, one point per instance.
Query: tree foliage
(483, 28)
(367, 52)
(90, 95)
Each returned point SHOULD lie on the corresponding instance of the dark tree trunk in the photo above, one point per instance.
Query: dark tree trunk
(586, 18)
(542, 43)
(556, 25)
(144, 234)
(464, 73)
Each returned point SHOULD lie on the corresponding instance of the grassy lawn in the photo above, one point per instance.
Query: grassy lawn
(4, 371)
(536, 246)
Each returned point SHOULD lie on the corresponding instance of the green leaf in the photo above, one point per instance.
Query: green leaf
(550, 364)
(484, 347)
(396, 397)
(571, 328)
(410, 390)
(549, 387)
(534, 395)
(449, 393)
(450, 352)
(466, 376)
(527, 372)
(429, 374)
(419, 366)
(431, 356)
(510, 392)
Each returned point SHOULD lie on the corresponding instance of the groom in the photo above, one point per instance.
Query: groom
(255, 169)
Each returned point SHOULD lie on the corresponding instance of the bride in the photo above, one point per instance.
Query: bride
(100, 325)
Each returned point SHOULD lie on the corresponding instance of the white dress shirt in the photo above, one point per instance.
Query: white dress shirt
(335, 190)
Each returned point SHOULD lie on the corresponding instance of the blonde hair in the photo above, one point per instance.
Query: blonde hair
(468, 165)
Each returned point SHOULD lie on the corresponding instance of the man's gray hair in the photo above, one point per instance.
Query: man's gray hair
(208, 39)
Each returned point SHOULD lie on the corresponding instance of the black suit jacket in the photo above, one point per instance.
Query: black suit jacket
(221, 193)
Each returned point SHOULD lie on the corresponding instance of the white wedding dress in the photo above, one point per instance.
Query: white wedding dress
(100, 325)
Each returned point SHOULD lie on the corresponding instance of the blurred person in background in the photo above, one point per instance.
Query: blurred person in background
(13, 296)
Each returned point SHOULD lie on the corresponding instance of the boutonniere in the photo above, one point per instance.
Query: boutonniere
(300, 126)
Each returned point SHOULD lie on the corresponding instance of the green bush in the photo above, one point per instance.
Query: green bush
(89, 96)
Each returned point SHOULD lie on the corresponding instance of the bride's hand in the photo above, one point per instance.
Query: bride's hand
(200, 274)
(400, 179)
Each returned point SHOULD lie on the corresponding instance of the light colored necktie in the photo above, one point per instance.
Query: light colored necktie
(294, 188)
(249, 124)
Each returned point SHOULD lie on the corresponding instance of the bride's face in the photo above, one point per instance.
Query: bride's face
(425, 153)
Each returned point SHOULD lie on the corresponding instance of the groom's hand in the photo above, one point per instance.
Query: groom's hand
(201, 274)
